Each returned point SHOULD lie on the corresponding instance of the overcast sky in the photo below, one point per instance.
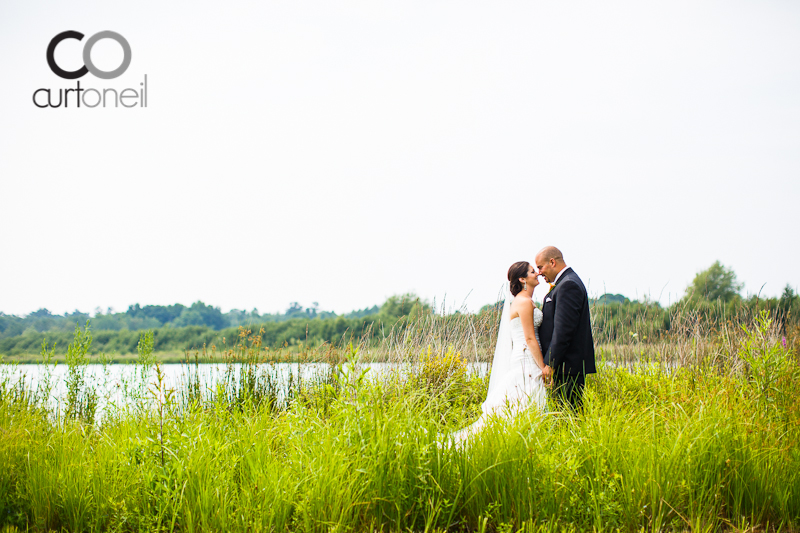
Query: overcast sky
(342, 152)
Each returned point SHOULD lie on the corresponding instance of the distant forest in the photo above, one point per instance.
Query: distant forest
(713, 297)
(138, 318)
(178, 327)
(176, 316)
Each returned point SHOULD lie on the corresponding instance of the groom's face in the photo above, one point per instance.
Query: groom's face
(547, 269)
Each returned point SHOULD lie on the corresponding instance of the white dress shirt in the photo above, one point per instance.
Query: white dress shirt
(559, 274)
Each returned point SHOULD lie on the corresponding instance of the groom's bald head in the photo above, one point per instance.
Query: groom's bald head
(549, 262)
(549, 252)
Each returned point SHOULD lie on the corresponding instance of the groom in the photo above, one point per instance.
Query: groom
(566, 331)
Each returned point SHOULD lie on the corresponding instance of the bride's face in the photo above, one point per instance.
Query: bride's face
(533, 277)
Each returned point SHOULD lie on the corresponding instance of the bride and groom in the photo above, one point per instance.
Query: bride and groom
(537, 348)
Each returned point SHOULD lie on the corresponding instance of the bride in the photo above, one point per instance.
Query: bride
(516, 381)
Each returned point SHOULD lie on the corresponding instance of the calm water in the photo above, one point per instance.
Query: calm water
(112, 381)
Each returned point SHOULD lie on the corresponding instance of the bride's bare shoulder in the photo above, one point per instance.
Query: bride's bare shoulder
(522, 302)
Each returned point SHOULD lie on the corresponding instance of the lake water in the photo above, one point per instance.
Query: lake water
(112, 381)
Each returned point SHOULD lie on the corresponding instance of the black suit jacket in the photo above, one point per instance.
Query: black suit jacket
(566, 331)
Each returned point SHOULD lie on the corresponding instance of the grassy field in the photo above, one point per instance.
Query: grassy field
(700, 432)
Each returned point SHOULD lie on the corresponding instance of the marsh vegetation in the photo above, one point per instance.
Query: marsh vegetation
(700, 431)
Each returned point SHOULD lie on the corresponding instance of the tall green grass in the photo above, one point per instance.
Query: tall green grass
(707, 443)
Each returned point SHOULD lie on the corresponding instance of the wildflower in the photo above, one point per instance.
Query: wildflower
(783, 342)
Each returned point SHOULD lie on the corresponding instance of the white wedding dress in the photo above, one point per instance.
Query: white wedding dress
(516, 381)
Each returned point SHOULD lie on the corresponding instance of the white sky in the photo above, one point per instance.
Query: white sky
(341, 152)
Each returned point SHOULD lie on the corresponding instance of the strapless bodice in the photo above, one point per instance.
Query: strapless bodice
(518, 334)
(516, 322)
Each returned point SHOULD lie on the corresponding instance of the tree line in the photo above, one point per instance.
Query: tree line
(712, 300)
(205, 326)
(713, 297)
(176, 316)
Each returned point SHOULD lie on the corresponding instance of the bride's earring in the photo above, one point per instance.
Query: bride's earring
(525, 285)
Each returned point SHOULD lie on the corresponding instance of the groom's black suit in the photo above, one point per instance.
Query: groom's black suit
(566, 336)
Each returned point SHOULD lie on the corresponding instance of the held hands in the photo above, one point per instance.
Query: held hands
(547, 375)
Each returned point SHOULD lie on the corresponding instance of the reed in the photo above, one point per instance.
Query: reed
(697, 432)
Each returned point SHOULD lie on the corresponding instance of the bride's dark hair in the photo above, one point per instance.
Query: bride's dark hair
(517, 270)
